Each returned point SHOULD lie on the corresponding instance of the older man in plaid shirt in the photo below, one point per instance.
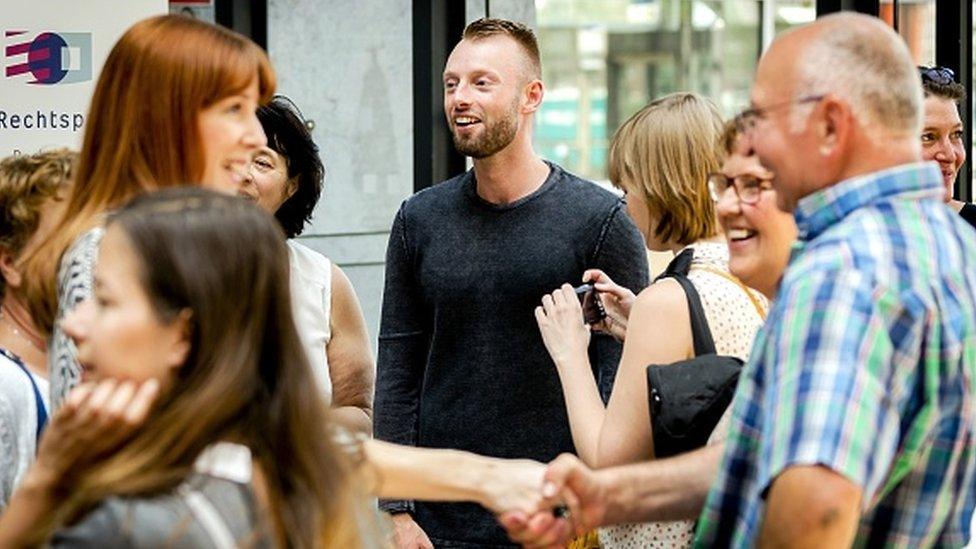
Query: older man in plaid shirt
(854, 422)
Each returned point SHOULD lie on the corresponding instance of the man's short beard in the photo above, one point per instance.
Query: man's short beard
(497, 136)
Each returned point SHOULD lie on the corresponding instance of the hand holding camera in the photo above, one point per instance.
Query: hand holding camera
(564, 333)
(616, 302)
(593, 311)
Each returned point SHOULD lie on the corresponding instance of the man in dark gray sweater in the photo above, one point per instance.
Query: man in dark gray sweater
(461, 363)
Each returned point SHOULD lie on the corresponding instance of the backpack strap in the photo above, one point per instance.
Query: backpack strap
(38, 401)
(208, 517)
(700, 333)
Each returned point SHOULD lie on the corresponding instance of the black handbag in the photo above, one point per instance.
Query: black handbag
(688, 398)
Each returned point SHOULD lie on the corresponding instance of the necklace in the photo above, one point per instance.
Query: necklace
(8, 319)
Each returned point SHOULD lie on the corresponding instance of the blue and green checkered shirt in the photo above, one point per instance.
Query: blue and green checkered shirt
(867, 366)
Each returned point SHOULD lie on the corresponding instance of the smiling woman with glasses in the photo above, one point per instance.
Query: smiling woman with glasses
(747, 187)
(759, 234)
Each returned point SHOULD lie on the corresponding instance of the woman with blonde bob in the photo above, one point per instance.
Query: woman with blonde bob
(174, 105)
(660, 158)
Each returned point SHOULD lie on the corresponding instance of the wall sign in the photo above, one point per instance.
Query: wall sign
(52, 54)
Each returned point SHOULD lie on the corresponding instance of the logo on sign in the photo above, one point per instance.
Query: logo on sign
(51, 58)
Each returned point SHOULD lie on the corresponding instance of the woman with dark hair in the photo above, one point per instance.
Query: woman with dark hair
(942, 131)
(174, 105)
(285, 179)
(943, 142)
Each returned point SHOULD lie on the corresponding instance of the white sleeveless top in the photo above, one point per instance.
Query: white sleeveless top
(733, 320)
(311, 300)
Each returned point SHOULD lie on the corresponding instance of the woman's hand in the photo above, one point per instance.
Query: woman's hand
(564, 333)
(617, 301)
(93, 421)
(513, 485)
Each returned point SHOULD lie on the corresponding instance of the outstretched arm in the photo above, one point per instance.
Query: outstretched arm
(404, 472)
(667, 489)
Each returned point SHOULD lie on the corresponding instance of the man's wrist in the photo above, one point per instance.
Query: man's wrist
(611, 493)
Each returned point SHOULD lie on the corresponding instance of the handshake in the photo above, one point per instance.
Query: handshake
(543, 505)
(539, 505)
(570, 502)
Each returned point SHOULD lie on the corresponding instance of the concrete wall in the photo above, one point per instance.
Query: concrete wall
(348, 66)
(522, 11)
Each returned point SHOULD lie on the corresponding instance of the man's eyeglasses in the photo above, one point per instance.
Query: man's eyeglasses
(747, 187)
(747, 119)
(940, 76)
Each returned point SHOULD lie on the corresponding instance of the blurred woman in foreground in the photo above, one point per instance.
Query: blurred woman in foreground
(231, 445)
(200, 422)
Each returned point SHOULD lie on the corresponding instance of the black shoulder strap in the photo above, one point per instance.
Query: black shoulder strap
(700, 333)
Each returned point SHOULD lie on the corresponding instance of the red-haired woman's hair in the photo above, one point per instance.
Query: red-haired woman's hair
(141, 133)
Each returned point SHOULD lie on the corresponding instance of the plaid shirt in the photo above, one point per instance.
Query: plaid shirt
(866, 366)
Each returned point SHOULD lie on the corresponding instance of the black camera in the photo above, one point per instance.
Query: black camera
(593, 310)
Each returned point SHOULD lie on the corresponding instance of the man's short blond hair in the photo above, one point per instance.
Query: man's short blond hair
(488, 27)
(664, 154)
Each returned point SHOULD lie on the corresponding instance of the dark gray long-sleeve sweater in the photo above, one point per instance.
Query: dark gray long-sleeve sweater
(461, 363)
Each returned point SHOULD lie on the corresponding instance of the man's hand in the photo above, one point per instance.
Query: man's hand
(568, 482)
(408, 534)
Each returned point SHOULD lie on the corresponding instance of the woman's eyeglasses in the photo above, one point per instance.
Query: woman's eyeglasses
(748, 188)
(940, 76)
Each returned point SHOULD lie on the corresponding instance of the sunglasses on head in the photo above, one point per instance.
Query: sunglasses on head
(940, 76)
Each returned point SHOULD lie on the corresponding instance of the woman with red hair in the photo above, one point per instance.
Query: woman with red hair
(174, 105)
